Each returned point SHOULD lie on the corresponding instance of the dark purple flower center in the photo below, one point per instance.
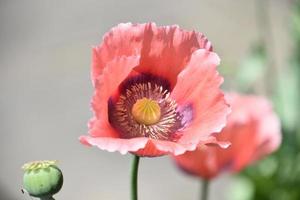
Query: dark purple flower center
(144, 109)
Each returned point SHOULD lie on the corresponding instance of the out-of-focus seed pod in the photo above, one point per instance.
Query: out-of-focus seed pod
(42, 179)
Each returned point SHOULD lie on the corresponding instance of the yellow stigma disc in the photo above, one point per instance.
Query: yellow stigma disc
(146, 111)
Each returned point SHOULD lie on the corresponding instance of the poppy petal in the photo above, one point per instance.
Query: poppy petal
(115, 144)
(108, 82)
(123, 40)
(253, 130)
(156, 45)
(162, 43)
(198, 86)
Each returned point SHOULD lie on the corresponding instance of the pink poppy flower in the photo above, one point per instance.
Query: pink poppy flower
(253, 130)
(156, 91)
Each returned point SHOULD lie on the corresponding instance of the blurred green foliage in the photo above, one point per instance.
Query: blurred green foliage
(252, 69)
(276, 177)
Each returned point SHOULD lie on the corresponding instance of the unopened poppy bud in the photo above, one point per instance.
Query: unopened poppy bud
(42, 179)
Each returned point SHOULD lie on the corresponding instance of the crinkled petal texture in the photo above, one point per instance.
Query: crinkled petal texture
(183, 58)
(164, 50)
(253, 130)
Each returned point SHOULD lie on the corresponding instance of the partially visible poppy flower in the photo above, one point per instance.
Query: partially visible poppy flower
(253, 130)
(156, 91)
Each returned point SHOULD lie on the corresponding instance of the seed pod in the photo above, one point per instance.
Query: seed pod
(42, 179)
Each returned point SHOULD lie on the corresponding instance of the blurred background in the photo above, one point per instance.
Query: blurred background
(45, 55)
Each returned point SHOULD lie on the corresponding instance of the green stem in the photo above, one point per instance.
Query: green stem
(204, 189)
(47, 198)
(134, 178)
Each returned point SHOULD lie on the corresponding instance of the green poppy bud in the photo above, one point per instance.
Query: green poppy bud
(42, 179)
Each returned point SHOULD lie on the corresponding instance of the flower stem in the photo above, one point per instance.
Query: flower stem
(204, 189)
(134, 178)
